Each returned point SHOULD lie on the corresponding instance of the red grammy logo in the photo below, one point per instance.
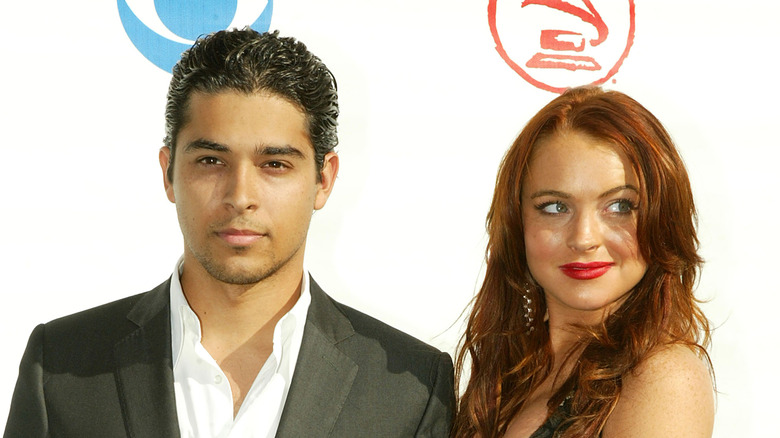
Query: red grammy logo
(555, 44)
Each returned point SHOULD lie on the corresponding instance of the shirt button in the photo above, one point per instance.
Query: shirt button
(217, 379)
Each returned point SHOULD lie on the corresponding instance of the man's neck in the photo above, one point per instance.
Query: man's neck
(231, 310)
(237, 321)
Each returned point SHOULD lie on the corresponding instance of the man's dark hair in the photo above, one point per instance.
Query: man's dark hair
(250, 62)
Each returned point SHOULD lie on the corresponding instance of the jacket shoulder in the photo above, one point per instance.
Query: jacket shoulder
(402, 386)
(105, 323)
(393, 339)
(150, 302)
(369, 341)
(97, 315)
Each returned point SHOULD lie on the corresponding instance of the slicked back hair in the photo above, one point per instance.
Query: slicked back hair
(250, 62)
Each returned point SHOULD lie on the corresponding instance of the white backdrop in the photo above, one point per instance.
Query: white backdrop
(428, 109)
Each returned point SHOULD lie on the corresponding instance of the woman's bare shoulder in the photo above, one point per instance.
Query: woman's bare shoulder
(669, 395)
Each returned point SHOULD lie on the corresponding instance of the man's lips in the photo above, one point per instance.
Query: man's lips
(586, 271)
(236, 237)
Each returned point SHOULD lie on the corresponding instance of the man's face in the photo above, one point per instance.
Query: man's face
(245, 185)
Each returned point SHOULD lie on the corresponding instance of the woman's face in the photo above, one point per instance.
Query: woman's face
(579, 204)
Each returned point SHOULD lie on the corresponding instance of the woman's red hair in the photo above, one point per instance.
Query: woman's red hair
(507, 361)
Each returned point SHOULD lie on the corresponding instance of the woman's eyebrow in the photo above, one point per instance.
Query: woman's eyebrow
(619, 189)
(556, 193)
(564, 195)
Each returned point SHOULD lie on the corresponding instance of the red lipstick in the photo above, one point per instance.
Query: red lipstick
(586, 271)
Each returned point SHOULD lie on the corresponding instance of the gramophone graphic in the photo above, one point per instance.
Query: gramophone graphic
(543, 39)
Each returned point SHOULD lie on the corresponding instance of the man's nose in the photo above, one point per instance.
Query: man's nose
(242, 188)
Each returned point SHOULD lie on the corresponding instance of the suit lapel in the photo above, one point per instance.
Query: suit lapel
(144, 371)
(323, 375)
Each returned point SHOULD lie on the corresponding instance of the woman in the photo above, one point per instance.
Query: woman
(586, 324)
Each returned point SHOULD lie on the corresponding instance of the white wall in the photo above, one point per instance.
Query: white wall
(428, 109)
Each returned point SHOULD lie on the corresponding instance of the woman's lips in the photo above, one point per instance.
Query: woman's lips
(236, 237)
(586, 271)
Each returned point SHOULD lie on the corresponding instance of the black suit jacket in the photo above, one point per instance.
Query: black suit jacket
(107, 372)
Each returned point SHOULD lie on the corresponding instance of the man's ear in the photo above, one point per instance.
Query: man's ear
(165, 161)
(330, 169)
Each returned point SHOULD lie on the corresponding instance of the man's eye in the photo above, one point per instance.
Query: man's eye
(212, 161)
(553, 207)
(276, 165)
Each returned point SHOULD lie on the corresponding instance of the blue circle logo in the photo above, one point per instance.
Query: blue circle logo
(162, 29)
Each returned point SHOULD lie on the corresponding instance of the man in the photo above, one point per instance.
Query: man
(240, 341)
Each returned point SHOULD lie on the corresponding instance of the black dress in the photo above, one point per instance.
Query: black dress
(548, 429)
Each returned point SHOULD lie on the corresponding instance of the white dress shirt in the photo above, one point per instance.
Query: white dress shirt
(204, 401)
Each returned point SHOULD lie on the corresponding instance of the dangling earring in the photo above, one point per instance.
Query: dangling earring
(528, 309)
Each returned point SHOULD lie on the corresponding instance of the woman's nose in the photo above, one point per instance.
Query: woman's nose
(585, 233)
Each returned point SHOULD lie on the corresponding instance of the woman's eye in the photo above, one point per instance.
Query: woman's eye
(553, 208)
(621, 206)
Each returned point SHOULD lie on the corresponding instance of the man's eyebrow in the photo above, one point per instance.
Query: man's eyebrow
(619, 189)
(202, 143)
(286, 150)
(280, 150)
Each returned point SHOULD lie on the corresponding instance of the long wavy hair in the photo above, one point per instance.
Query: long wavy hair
(507, 360)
